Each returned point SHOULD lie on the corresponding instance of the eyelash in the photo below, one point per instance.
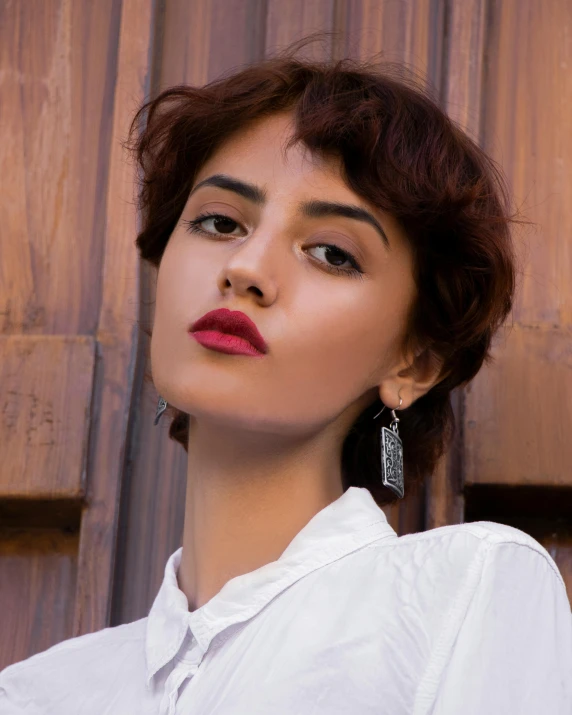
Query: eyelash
(354, 272)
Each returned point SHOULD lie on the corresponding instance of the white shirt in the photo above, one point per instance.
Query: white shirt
(470, 619)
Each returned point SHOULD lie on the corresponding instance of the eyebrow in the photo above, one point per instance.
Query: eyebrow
(311, 209)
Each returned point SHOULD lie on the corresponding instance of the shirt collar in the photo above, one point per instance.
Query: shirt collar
(345, 525)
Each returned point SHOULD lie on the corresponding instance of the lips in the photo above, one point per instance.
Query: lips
(231, 322)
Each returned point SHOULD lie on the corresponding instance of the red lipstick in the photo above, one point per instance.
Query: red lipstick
(228, 331)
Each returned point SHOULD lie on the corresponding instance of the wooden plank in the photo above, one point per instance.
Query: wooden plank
(519, 411)
(45, 410)
(196, 46)
(56, 95)
(117, 333)
(291, 21)
(527, 129)
(38, 577)
(408, 31)
(463, 79)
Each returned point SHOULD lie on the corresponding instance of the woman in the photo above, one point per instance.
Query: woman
(334, 257)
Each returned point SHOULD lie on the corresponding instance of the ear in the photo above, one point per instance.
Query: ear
(411, 380)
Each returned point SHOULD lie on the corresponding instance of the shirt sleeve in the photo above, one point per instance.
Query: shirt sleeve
(513, 650)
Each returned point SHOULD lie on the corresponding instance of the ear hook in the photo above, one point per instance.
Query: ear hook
(395, 418)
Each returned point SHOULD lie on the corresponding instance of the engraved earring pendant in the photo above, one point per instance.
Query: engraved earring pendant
(161, 407)
(392, 455)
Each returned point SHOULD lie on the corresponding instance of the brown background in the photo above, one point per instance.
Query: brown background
(91, 493)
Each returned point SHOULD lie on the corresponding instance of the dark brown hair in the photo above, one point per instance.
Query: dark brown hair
(400, 152)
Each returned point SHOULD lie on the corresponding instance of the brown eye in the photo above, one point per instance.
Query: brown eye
(334, 259)
(222, 225)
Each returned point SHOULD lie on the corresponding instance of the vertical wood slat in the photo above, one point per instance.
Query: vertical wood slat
(519, 433)
(288, 22)
(117, 333)
(37, 577)
(196, 47)
(408, 33)
(56, 68)
(461, 91)
(527, 129)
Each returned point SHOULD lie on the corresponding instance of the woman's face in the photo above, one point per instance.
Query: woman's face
(329, 297)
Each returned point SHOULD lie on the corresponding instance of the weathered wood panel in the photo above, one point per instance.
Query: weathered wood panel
(409, 32)
(38, 571)
(57, 80)
(57, 75)
(45, 415)
(117, 333)
(519, 412)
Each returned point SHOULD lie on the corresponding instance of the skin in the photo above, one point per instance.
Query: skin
(266, 433)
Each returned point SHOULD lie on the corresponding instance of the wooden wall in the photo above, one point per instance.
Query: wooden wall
(91, 493)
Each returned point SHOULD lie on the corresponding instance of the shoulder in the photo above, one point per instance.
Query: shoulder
(456, 561)
(508, 615)
(84, 660)
(482, 540)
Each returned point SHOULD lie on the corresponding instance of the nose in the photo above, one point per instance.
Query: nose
(252, 267)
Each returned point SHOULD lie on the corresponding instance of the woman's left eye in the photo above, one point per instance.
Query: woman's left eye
(332, 252)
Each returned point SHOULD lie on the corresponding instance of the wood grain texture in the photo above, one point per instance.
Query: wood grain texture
(38, 573)
(404, 31)
(519, 411)
(56, 93)
(528, 105)
(204, 38)
(117, 333)
(296, 19)
(465, 49)
(45, 411)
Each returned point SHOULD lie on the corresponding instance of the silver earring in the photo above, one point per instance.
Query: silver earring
(392, 455)
(161, 407)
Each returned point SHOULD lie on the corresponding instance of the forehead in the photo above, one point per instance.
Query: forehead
(258, 153)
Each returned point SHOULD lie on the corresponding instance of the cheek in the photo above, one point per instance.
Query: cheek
(335, 355)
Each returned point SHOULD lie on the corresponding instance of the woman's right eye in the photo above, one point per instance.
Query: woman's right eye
(223, 225)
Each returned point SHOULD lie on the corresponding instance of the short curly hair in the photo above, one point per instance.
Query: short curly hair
(401, 152)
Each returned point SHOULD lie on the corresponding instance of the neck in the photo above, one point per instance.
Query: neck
(248, 495)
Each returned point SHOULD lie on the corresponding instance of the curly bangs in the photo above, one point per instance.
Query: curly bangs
(402, 153)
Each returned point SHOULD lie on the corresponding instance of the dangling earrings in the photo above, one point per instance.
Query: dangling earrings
(161, 407)
(392, 455)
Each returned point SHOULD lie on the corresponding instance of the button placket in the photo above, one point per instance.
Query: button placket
(180, 673)
(183, 669)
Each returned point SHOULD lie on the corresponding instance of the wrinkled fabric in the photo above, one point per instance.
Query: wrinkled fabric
(468, 619)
